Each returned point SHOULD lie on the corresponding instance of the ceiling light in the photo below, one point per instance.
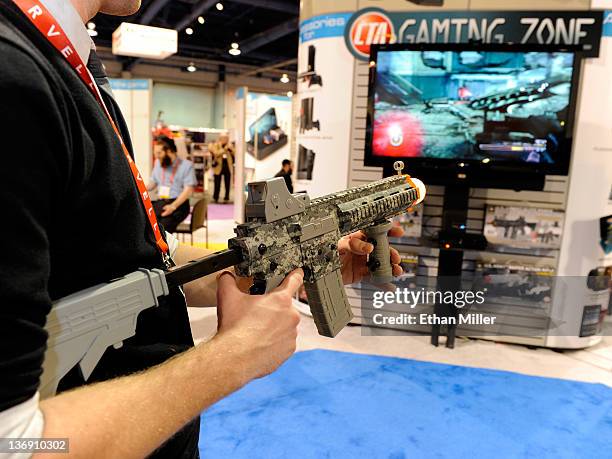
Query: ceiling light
(191, 67)
(91, 25)
(189, 31)
(234, 45)
(289, 93)
(235, 52)
(92, 32)
(219, 6)
(285, 78)
(201, 20)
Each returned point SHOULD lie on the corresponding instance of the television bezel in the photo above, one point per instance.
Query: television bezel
(474, 172)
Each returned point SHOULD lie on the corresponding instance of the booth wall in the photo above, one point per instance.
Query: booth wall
(257, 105)
(579, 252)
(134, 98)
(185, 105)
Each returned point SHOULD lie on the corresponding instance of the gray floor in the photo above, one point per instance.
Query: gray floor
(590, 365)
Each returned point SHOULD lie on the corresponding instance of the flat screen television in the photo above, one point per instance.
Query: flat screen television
(483, 115)
(270, 137)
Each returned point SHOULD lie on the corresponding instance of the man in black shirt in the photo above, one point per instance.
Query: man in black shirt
(286, 172)
(77, 220)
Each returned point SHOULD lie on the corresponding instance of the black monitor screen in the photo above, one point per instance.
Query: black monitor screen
(503, 107)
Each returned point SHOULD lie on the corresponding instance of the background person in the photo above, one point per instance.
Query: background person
(286, 172)
(174, 179)
(222, 152)
(78, 220)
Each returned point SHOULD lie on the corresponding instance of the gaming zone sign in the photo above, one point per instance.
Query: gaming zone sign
(374, 26)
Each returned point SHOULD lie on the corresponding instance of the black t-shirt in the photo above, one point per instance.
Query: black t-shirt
(71, 218)
(287, 177)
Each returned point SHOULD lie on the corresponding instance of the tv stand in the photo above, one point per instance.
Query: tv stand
(453, 240)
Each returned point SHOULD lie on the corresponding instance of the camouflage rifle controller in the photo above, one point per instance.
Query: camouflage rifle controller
(283, 232)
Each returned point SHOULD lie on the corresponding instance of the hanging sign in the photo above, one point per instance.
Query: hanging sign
(373, 26)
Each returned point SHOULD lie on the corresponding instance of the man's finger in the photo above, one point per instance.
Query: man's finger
(358, 235)
(396, 231)
(226, 281)
(395, 256)
(397, 270)
(359, 247)
(292, 282)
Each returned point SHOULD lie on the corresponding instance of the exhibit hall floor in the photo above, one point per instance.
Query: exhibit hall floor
(588, 365)
(526, 402)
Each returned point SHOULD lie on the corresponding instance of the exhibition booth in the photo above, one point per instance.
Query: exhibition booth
(495, 109)
(467, 142)
(503, 110)
(500, 109)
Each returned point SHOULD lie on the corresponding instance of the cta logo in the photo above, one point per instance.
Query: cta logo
(367, 28)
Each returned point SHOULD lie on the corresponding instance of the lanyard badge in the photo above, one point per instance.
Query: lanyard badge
(48, 26)
(164, 190)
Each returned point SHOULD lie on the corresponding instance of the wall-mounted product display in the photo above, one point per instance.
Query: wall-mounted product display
(514, 284)
(608, 272)
(410, 265)
(305, 163)
(474, 113)
(605, 228)
(523, 227)
(323, 99)
(591, 320)
(310, 76)
(411, 222)
(266, 136)
(307, 121)
(598, 300)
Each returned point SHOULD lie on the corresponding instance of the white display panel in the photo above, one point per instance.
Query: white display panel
(257, 106)
(325, 131)
(240, 108)
(135, 100)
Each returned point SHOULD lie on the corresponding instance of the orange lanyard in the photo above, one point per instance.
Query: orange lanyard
(48, 26)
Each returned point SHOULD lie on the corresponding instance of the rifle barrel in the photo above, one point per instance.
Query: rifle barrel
(201, 267)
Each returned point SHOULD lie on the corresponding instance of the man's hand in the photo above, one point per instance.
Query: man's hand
(262, 328)
(256, 335)
(168, 210)
(354, 251)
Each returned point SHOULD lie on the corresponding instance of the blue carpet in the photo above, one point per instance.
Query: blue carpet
(339, 405)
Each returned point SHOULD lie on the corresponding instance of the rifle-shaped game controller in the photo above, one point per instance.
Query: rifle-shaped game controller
(282, 232)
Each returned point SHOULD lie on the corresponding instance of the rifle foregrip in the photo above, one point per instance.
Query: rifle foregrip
(328, 303)
(379, 262)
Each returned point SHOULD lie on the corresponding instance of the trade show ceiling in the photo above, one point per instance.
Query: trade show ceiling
(265, 30)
